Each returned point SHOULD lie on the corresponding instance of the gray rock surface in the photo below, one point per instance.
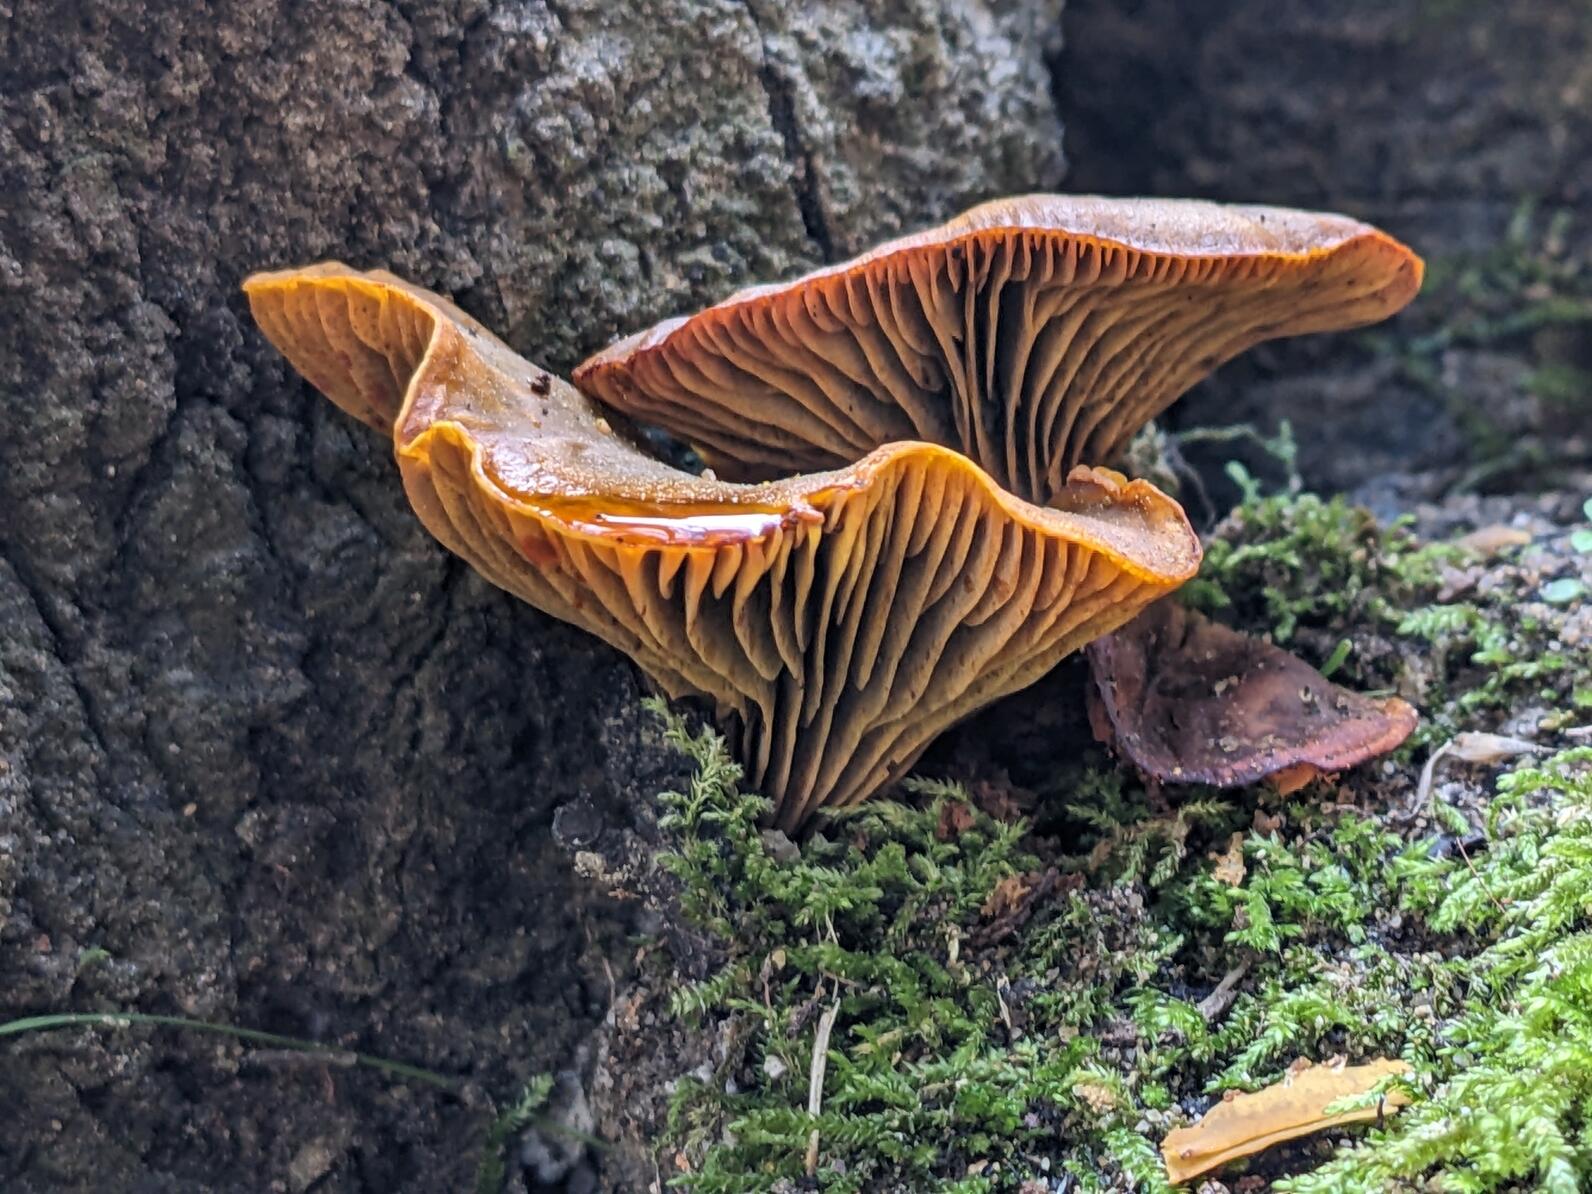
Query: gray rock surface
(268, 756)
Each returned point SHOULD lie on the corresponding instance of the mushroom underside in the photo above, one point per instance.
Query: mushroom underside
(1030, 348)
(836, 622)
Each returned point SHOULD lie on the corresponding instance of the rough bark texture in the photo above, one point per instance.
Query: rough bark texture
(1439, 120)
(267, 755)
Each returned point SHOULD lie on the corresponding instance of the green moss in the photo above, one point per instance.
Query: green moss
(1526, 296)
(1523, 284)
(1286, 561)
(1301, 566)
(957, 1062)
(980, 1041)
(512, 1120)
(1509, 1075)
(868, 920)
(1562, 384)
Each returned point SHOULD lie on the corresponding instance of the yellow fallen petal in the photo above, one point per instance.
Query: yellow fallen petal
(1244, 1124)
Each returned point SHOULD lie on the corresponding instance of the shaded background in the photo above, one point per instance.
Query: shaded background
(1462, 127)
(269, 757)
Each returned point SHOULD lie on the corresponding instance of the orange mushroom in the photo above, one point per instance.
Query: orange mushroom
(836, 621)
(1188, 700)
(1032, 333)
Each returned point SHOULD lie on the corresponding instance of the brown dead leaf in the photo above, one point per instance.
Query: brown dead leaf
(1490, 540)
(1229, 867)
(1008, 894)
(1003, 802)
(1290, 779)
(1266, 823)
(1099, 718)
(1014, 899)
(1244, 1124)
(956, 819)
(1188, 700)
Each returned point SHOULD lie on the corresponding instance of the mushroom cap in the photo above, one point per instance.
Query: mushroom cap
(1033, 333)
(1188, 700)
(837, 621)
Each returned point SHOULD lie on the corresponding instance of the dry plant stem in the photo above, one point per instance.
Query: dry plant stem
(1214, 1006)
(1470, 748)
(1471, 867)
(815, 1078)
(274, 1041)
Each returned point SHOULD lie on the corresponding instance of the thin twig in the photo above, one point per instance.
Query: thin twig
(1423, 789)
(1470, 747)
(815, 1079)
(1214, 1006)
(1463, 853)
(253, 1036)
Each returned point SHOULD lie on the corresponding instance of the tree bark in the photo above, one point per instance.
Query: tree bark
(268, 756)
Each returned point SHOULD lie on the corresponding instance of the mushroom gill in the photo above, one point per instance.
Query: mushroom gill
(836, 621)
(1033, 333)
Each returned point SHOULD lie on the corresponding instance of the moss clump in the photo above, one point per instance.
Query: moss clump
(1389, 611)
(868, 918)
(1530, 297)
(1511, 1071)
(1010, 1008)
(963, 1059)
(1282, 563)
